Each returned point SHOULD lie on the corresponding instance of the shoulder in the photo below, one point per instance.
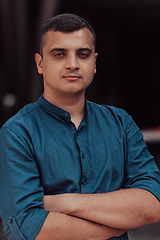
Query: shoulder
(109, 112)
(23, 118)
(105, 108)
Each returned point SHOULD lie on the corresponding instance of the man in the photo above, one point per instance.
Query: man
(71, 169)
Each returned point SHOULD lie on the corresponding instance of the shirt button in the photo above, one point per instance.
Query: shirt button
(66, 114)
(77, 133)
(84, 182)
(83, 155)
(10, 220)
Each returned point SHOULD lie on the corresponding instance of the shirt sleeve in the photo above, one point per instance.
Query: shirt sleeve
(21, 194)
(141, 170)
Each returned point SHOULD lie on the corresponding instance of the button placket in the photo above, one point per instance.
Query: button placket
(81, 142)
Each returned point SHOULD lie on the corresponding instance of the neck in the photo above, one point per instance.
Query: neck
(75, 105)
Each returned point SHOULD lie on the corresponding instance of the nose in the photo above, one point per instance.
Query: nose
(72, 63)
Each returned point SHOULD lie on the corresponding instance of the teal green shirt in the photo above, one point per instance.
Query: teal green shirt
(41, 152)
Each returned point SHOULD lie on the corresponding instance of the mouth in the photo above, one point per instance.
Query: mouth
(72, 77)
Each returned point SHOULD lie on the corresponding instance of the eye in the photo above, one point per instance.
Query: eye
(83, 55)
(59, 54)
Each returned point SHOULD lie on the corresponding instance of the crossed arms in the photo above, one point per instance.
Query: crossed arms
(98, 216)
(72, 216)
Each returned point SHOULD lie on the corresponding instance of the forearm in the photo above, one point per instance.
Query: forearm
(59, 226)
(122, 209)
(128, 209)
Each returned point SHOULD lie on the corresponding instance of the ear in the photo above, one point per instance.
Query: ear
(38, 60)
(96, 54)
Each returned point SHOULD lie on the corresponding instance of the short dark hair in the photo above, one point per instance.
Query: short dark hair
(64, 23)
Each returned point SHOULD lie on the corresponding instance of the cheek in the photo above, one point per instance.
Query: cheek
(49, 70)
(89, 76)
(92, 72)
(89, 68)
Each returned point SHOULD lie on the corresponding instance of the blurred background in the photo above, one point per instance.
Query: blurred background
(128, 66)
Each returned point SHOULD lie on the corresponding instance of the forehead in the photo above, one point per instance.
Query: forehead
(77, 39)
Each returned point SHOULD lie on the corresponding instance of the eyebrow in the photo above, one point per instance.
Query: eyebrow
(58, 49)
(65, 50)
(85, 49)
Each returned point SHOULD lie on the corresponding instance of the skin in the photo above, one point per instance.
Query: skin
(68, 66)
(123, 209)
(63, 227)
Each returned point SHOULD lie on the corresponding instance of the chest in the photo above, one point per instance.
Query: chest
(80, 161)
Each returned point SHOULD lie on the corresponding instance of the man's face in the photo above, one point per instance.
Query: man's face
(68, 63)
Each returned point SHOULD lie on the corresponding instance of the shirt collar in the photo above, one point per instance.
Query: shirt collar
(58, 112)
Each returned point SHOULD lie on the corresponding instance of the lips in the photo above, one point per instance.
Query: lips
(72, 77)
